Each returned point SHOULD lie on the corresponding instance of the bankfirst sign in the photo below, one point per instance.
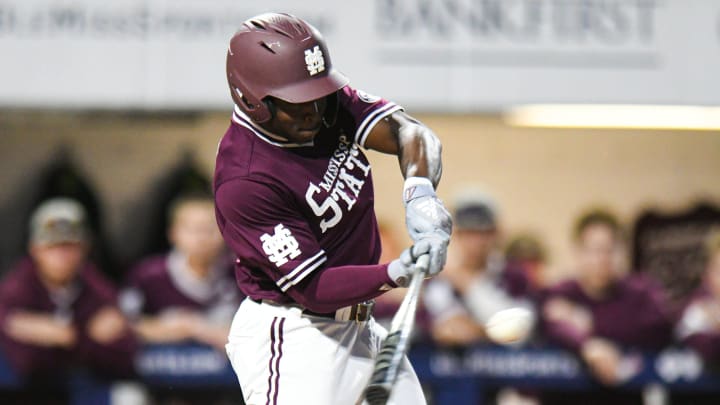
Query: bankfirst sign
(447, 56)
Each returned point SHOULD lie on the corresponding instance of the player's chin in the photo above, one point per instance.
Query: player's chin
(306, 134)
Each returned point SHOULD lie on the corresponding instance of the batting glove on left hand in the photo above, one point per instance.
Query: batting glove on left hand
(427, 219)
(401, 269)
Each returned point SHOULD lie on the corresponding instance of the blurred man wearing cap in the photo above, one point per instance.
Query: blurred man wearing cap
(471, 289)
(56, 310)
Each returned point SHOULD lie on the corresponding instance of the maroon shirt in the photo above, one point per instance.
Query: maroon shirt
(21, 289)
(160, 283)
(632, 315)
(704, 339)
(288, 210)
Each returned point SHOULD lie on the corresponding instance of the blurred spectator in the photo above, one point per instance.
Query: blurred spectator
(524, 274)
(603, 311)
(471, 288)
(56, 310)
(188, 293)
(60, 177)
(699, 326)
(146, 225)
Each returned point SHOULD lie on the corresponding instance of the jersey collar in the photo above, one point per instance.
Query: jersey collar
(241, 118)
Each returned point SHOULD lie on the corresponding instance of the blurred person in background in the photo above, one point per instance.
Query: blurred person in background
(525, 259)
(472, 287)
(603, 311)
(699, 326)
(188, 293)
(56, 310)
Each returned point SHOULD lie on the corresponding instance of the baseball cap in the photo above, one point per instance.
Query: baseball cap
(58, 220)
(475, 210)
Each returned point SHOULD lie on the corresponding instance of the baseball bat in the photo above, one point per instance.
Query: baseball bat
(395, 345)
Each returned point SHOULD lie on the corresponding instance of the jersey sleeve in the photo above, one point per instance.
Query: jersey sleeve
(264, 230)
(367, 110)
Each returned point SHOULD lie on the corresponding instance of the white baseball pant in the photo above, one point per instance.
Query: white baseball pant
(282, 356)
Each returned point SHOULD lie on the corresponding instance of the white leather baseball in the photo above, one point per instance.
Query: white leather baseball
(509, 325)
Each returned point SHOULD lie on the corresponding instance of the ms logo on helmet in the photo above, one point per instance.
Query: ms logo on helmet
(314, 60)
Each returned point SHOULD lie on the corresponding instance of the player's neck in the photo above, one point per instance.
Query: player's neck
(595, 290)
(199, 267)
(56, 285)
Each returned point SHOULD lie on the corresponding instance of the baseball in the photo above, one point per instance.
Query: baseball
(509, 325)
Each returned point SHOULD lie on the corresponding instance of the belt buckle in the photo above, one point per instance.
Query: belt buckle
(362, 311)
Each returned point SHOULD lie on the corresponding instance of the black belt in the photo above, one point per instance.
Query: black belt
(360, 312)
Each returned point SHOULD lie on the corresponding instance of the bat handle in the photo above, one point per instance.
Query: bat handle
(422, 264)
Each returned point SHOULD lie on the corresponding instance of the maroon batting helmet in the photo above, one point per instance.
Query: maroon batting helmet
(282, 56)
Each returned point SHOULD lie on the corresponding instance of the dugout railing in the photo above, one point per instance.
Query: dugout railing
(454, 376)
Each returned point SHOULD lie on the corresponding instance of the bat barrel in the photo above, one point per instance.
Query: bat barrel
(386, 369)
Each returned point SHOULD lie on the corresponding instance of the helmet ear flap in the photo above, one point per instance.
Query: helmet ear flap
(258, 112)
(331, 112)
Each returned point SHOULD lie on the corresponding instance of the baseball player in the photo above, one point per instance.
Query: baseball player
(294, 201)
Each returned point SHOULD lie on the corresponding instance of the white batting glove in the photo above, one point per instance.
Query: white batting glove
(427, 219)
(401, 269)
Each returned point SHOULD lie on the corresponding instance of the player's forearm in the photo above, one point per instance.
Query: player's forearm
(213, 334)
(39, 329)
(159, 330)
(336, 287)
(565, 335)
(484, 298)
(419, 152)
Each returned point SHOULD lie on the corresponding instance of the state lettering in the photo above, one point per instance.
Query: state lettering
(329, 204)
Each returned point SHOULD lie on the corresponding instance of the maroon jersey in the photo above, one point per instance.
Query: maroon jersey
(289, 209)
(633, 314)
(21, 289)
(697, 328)
(163, 283)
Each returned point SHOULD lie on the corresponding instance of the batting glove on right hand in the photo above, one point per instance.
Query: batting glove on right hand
(401, 269)
(427, 219)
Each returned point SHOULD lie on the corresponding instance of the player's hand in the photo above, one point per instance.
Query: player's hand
(570, 314)
(106, 325)
(401, 269)
(427, 219)
(438, 251)
(603, 358)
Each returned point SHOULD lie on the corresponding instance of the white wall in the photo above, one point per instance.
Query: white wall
(460, 55)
